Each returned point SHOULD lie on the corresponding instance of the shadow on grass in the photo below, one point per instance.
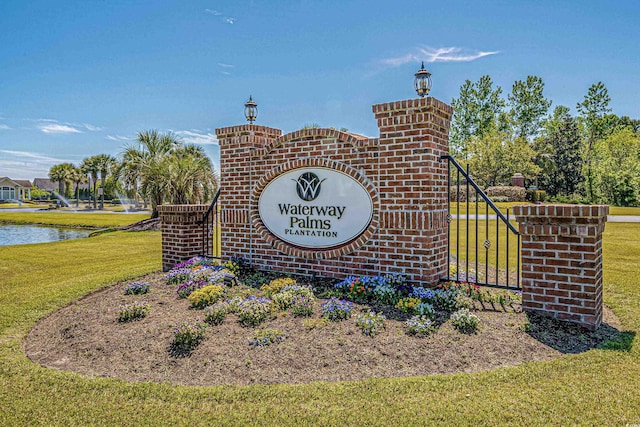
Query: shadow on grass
(571, 338)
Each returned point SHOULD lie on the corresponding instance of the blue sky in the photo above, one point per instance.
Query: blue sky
(79, 78)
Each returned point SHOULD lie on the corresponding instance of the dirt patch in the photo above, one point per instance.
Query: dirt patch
(86, 337)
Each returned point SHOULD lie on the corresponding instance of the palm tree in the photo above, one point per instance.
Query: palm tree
(149, 158)
(78, 177)
(192, 178)
(90, 165)
(129, 172)
(61, 173)
(105, 163)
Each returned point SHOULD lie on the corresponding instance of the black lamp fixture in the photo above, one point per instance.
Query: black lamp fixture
(251, 110)
(422, 82)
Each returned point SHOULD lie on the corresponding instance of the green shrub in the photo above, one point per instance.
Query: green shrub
(206, 296)
(465, 321)
(510, 194)
(370, 323)
(302, 305)
(215, 314)
(408, 305)
(133, 311)
(276, 285)
(536, 196)
(253, 311)
(420, 326)
(265, 337)
(188, 334)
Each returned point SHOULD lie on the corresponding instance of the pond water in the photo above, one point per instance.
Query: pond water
(23, 234)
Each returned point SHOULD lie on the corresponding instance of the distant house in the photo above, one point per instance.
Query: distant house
(15, 189)
(52, 186)
(45, 184)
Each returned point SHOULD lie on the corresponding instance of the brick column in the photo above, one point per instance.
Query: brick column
(414, 134)
(181, 232)
(562, 261)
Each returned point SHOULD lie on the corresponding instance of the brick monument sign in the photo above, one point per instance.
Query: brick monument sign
(333, 203)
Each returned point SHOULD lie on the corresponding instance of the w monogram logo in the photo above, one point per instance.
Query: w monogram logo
(308, 186)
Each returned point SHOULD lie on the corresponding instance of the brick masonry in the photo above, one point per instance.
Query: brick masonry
(562, 261)
(401, 170)
(181, 227)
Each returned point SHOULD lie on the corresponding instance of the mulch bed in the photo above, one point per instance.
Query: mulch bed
(86, 337)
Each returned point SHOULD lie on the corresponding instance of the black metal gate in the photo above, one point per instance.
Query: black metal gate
(211, 230)
(483, 247)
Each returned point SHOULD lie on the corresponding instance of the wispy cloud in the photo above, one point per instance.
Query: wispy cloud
(197, 137)
(230, 20)
(439, 54)
(92, 128)
(27, 164)
(4, 127)
(54, 128)
(212, 12)
(223, 65)
(119, 138)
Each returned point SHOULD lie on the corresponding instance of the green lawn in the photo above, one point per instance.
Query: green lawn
(503, 206)
(599, 387)
(92, 220)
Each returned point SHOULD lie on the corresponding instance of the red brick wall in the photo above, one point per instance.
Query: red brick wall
(181, 233)
(401, 171)
(562, 261)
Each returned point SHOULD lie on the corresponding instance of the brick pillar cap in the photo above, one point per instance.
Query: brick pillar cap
(561, 210)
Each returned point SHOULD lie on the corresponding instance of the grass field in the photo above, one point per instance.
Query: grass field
(599, 387)
(503, 206)
(91, 220)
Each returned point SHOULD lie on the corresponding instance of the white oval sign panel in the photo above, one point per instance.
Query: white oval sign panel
(315, 207)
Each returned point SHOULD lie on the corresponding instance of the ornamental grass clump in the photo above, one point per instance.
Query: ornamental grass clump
(421, 326)
(188, 334)
(215, 314)
(336, 309)
(465, 321)
(276, 285)
(206, 296)
(188, 287)
(253, 310)
(370, 323)
(133, 311)
(302, 305)
(137, 288)
(265, 337)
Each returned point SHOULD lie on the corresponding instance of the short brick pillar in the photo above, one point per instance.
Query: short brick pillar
(517, 180)
(562, 261)
(181, 232)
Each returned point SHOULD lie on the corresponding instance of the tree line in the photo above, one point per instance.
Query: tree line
(591, 157)
(157, 168)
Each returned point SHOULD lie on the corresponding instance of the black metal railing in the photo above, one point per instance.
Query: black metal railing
(211, 230)
(487, 263)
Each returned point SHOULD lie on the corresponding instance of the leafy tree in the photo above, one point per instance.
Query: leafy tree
(592, 110)
(616, 168)
(560, 157)
(528, 107)
(496, 157)
(478, 110)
